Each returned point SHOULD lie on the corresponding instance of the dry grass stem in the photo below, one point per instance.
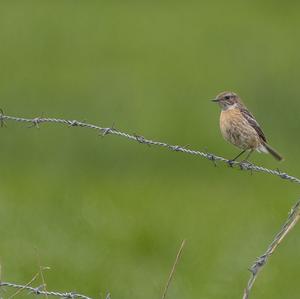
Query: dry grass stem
(173, 270)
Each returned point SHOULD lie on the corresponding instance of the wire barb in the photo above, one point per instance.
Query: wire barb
(106, 131)
(140, 139)
(212, 158)
(73, 123)
(2, 123)
(245, 165)
(35, 122)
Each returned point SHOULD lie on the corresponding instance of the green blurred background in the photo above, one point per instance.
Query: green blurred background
(108, 215)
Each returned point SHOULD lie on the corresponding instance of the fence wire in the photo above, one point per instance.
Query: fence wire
(261, 261)
(40, 291)
(244, 165)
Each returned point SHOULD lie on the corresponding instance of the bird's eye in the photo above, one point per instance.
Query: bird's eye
(227, 97)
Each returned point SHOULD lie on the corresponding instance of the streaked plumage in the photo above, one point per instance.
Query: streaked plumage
(239, 127)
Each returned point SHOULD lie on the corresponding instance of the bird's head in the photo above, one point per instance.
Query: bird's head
(227, 100)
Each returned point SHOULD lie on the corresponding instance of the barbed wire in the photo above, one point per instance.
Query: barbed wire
(244, 165)
(261, 261)
(39, 291)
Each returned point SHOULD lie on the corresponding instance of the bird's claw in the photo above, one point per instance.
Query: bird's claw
(231, 163)
(244, 165)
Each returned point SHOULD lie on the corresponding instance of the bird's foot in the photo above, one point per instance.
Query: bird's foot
(231, 163)
(244, 164)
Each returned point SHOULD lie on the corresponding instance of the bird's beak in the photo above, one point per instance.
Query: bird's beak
(215, 100)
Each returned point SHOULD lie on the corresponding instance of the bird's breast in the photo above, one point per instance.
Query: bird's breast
(229, 120)
(236, 129)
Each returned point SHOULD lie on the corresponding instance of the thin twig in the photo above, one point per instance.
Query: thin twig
(140, 139)
(41, 269)
(173, 270)
(24, 287)
(261, 261)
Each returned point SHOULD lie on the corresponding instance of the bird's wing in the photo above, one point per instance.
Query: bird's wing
(254, 124)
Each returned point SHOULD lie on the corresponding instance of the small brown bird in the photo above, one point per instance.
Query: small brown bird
(239, 127)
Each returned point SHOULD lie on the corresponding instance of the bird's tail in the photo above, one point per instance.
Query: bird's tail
(273, 152)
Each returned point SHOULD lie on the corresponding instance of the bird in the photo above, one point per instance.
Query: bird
(239, 127)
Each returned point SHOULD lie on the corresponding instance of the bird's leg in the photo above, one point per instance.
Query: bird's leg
(238, 155)
(230, 162)
(249, 154)
(246, 160)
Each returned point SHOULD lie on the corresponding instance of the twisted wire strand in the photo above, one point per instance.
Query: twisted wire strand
(39, 291)
(140, 139)
(261, 261)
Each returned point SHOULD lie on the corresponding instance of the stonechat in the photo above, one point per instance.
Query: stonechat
(240, 128)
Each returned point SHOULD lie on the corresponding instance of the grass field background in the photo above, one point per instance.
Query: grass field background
(108, 215)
